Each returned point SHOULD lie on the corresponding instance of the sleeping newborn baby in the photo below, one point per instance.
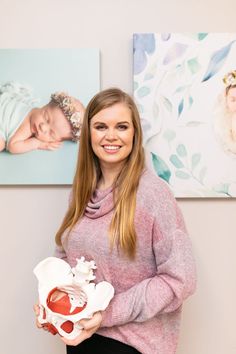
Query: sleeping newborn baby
(225, 114)
(25, 127)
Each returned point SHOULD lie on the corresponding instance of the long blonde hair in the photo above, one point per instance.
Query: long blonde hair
(88, 173)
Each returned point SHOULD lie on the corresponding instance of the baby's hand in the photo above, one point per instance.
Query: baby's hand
(50, 145)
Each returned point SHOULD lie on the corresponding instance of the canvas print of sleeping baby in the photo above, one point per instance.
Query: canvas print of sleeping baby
(25, 127)
(225, 114)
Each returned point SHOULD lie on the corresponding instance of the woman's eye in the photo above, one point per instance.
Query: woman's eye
(122, 127)
(100, 127)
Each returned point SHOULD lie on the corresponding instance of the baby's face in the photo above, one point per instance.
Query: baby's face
(231, 100)
(49, 124)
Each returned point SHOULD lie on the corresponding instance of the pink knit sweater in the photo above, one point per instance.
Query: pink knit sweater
(149, 291)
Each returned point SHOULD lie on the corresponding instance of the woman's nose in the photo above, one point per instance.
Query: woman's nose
(111, 134)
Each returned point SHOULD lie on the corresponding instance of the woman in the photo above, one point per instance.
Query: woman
(126, 219)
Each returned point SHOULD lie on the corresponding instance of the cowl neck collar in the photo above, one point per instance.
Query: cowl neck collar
(101, 203)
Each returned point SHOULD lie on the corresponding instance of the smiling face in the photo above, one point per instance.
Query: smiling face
(112, 133)
(231, 100)
(49, 124)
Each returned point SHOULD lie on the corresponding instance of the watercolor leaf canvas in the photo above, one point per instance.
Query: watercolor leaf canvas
(181, 97)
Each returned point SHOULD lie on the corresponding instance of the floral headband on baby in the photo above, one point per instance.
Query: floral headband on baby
(230, 78)
(65, 102)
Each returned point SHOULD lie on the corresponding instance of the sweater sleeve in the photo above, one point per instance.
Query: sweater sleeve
(175, 277)
(59, 251)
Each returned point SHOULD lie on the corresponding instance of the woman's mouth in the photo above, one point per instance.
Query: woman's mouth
(111, 149)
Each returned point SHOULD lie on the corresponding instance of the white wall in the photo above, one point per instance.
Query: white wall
(29, 216)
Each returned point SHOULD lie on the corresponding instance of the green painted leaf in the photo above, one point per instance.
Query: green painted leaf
(148, 76)
(182, 174)
(143, 91)
(176, 161)
(181, 89)
(167, 103)
(202, 173)
(181, 107)
(190, 101)
(195, 160)
(193, 65)
(140, 108)
(222, 188)
(135, 85)
(201, 36)
(161, 167)
(196, 36)
(181, 150)
(169, 135)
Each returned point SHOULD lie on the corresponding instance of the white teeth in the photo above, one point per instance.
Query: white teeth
(109, 147)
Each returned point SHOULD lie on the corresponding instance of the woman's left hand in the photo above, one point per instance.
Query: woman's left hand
(90, 326)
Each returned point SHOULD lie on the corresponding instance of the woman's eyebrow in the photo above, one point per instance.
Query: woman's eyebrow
(120, 122)
(95, 123)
